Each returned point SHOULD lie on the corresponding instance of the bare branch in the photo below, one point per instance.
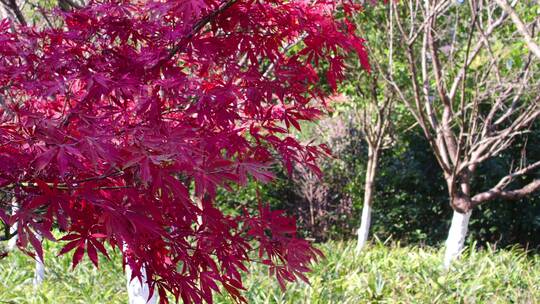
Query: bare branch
(506, 195)
(479, 45)
(522, 29)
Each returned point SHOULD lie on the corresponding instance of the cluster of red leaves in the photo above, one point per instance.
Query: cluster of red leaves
(119, 125)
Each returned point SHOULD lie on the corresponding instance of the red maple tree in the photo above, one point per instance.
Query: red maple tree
(119, 125)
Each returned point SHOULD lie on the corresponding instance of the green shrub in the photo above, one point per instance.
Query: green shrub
(383, 273)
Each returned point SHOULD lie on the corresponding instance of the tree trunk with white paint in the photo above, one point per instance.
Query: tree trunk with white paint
(12, 243)
(138, 289)
(369, 188)
(39, 272)
(456, 237)
(139, 292)
(363, 231)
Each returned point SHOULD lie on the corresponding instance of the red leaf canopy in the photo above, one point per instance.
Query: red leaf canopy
(108, 121)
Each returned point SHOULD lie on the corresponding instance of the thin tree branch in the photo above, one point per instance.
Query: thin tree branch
(467, 62)
(522, 29)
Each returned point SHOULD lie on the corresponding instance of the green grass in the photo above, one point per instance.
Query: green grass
(380, 274)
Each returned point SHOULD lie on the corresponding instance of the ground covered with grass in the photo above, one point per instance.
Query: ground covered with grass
(380, 274)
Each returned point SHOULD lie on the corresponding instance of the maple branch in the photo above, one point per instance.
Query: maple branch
(65, 186)
(522, 29)
(196, 28)
(72, 187)
(100, 177)
(3, 105)
(289, 46)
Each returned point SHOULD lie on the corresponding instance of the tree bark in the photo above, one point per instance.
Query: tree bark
(39, 272)
(369, 188)
(456, 237)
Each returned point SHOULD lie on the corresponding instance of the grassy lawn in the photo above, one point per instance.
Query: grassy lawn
(381, 274)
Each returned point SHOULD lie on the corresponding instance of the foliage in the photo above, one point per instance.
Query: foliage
(412, 202)
(384, 273)
(112, 113)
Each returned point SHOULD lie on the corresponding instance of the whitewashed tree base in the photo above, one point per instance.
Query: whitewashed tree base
(39, 272)
(138, 293)
(12, 243)
(456, 237)
(363, 231)
(39, 269)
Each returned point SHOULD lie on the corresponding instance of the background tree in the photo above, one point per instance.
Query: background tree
(411, 192)
(472, 96)
(373, 101)
(325, 203)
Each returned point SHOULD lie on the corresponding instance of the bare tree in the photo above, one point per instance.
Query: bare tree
(375, 123)
(468, 95)
(373, 102)
(369, 111)
(320, 201)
